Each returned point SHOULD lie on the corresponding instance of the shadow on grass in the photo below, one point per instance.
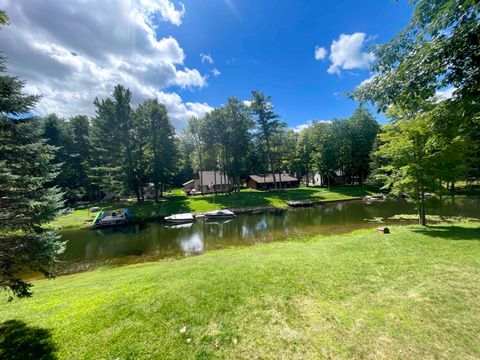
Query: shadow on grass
(19, 341)
(450, 232)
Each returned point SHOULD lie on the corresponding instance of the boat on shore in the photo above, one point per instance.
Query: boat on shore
(180, 218)
(111, 218)
(219, 214)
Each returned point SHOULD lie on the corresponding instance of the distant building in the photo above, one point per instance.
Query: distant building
(316, 179)
(209, 182)
(265, 182)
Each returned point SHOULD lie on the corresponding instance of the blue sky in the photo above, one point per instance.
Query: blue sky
(258, 45)
(73, 51)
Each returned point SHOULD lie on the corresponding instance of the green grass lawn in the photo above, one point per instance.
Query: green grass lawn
(177, 202)
(413, 294)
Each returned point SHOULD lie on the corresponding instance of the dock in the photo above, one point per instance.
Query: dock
(306, 203)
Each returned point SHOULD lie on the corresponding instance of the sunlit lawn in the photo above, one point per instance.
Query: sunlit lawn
(413, 294)
(176, 201)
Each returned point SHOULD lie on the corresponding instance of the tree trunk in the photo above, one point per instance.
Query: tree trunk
(421, 207)
(200, 165)
(270, 163)
(421, 215)
(214, 172)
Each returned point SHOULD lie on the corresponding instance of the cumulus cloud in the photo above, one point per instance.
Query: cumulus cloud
(320, 53)
(206, 58)
(348, 53)
(73, 51)
(216, 72)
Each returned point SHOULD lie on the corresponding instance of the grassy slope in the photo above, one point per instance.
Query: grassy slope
(177, 202)
(412, 294)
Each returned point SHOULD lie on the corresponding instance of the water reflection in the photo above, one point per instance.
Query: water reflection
(160, 240)
(191, 244)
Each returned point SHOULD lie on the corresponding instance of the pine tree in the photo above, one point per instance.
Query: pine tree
(27, 201)
(116, 152)
(157, 136)
(268, 125)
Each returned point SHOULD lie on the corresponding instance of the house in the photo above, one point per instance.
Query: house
(265, 181)
(316, 179)
(209, 182)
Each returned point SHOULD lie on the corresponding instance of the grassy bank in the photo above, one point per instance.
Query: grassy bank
(412, 294)
(177, 202)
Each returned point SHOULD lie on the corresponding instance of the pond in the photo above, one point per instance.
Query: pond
(156, 240)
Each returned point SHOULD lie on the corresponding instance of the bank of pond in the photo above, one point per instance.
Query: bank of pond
(145, 241)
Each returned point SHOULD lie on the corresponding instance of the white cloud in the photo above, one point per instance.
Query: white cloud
(347, 53)
(216, 72)
(166, 8)
(198, 109)
(74, 51)
(445, 94)
(320, 53)
(206, 58)
(301, 127)
(247, 103)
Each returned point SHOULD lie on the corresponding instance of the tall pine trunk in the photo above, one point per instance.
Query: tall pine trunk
(270, 163)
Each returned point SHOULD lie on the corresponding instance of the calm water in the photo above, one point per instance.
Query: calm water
(157, 240)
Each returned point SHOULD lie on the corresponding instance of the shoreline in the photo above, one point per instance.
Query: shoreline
(236, 211)
(246, 202)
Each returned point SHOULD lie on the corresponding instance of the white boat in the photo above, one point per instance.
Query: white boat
(180, 218)
(219, 214)
(111, 218)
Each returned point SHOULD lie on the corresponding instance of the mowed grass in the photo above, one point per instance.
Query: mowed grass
(177, 202)
(413, 294)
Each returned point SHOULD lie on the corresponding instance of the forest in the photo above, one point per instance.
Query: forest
(123, 148)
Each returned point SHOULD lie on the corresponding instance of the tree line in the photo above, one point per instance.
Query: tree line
(123, 148)
(240, 140)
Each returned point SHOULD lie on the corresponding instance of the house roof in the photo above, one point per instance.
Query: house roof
(268, 178)
(208, 177)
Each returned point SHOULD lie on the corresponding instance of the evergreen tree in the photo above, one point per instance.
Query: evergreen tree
(159, 146)
(27, 201)
(268, 125)
(58, 133)
(113, 137)
(80, 128)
